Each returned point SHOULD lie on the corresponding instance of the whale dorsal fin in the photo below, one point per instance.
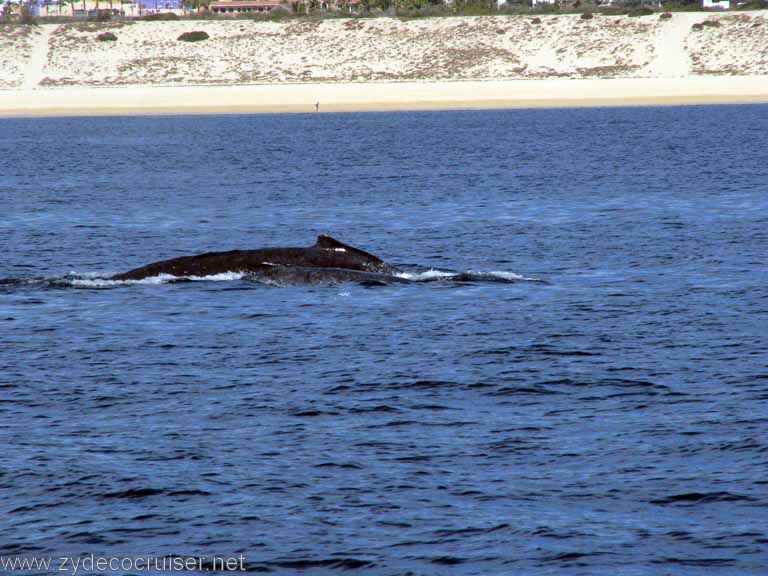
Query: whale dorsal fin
(329, 243)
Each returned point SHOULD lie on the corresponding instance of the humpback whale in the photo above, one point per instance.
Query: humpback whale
(327, 261)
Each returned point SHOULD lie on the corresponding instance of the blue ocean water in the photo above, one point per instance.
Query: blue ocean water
(611, 422)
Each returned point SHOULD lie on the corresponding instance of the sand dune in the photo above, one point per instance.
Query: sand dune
(16, 49)
(352, 51)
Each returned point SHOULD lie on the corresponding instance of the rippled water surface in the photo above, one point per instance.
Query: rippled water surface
(612, 421)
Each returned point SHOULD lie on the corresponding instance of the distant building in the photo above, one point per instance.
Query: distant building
(12, 8)
(500, 3)
(94, 8)
(716, 4)
(156, 6)
(242, 6)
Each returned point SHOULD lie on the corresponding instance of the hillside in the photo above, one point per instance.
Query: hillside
(385, 49)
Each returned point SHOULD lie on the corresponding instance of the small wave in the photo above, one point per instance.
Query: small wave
(94, 280)
(426, 275)
(86, 282)
(265, 281)
(435, 275)
(701, 562)
(15, 282)
(310, 563)
(702, 498)
(133, 493)
(508, 275)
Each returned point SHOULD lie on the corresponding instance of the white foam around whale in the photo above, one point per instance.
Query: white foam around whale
(430, 274)
(98, 281)
(433, 274)
(506, 275)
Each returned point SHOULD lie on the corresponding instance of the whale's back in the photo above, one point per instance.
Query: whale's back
(327, 252)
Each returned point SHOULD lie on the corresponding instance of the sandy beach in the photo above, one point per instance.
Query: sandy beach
(384, 64)
(388, 96)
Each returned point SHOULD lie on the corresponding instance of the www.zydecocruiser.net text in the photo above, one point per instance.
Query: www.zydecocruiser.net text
(91, 563)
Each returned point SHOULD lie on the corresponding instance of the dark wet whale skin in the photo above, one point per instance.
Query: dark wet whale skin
(326, 253)
(299, 275)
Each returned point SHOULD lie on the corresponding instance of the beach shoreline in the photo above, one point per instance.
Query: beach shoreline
(381, 96)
